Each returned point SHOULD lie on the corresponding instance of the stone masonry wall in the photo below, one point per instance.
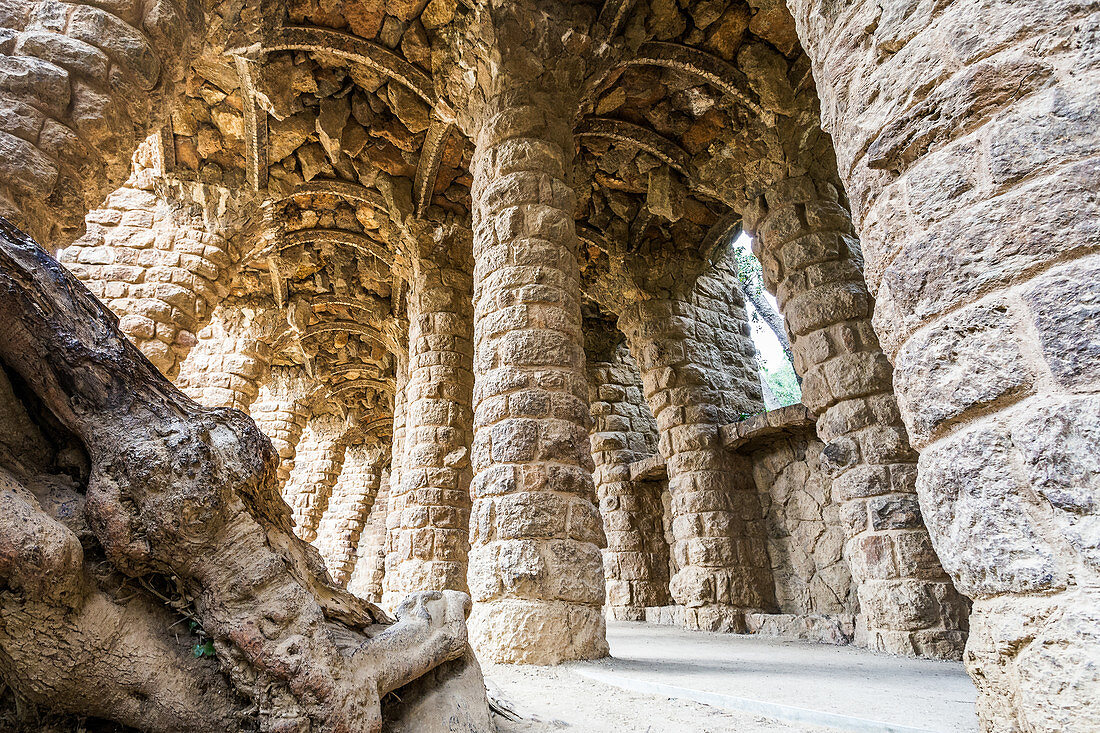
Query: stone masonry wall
(636, 560)
(281, 410)
(231, 359)
(967, 137)
(805, 531)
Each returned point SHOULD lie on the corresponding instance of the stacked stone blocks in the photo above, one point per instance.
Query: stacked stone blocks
(636, 560)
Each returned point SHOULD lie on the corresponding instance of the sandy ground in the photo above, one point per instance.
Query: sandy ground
(554, 699)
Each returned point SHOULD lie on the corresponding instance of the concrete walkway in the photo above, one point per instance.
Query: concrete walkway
(839, 687)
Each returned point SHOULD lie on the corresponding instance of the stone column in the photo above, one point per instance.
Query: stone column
(319, 462)
(281, 411)
(370, 556)
(635, 562)
(81, 85)
(535, 569)
(159, 268)
(699, 371)
(341, 528)
(430, 502)
(966, 136)
(230, 361)
(804, 238)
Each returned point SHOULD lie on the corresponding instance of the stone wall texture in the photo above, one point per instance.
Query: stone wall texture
(966, 137)
(387, 263)
(805, 530)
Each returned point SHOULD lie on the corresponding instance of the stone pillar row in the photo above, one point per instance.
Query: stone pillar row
(810, 256)
(340, 529)
(699, 372)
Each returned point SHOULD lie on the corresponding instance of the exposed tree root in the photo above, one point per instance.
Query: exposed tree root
(115, 482)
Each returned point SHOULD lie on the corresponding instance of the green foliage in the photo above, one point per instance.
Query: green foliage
(749, 272)
(783, 384)
(205, 649)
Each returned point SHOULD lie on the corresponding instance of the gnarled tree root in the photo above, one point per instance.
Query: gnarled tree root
(174, 491)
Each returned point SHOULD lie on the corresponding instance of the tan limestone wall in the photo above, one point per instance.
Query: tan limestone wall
(231, 359)
(699, 372)
(811, 260)
(805, 531)
(966, 135)
(636, 559)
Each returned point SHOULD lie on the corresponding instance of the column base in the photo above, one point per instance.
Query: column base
(514, 631)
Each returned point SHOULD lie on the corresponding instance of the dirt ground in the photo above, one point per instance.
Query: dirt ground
(554, 699)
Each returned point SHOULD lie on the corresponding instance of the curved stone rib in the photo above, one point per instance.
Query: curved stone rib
(428, 167)
(255, 127)
(354, 48)
(348, 301)
(613, 15)
(369, 332)
(364, 383)
(376, 371)
(715, 71)
(641, 137)
(355, 240)
(590, 235)
(336, 187)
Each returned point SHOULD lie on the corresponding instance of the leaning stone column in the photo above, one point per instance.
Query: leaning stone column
(967, 141)
(635, 562)
(430, 503)
(699, 371)
(281, 411)
(806, 243)
(341, 526)
(370, 555)
(535, 569)
(159, 267)
(231, 359)
(319, 461)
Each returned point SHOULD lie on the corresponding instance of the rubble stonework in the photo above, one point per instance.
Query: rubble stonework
(374, 228)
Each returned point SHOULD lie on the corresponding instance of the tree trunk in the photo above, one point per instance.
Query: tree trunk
(126, 508)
